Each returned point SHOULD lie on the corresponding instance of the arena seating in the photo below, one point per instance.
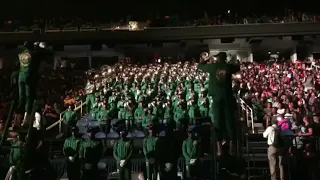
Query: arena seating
(253, 94)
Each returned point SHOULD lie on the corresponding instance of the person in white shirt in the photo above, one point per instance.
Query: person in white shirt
(281, 110)
(274, 151)
(37, 121)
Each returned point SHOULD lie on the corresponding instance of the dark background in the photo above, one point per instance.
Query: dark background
(144, 10)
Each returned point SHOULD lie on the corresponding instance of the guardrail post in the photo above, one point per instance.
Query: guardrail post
(248, 113)
(60, 122)
(81, 108)
(8, 123)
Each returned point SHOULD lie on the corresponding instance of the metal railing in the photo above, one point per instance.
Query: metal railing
(247, 113)
(10, 173)
(315, 66)
(77, 106)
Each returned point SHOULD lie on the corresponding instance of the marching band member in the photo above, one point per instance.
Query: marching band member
(90, 98)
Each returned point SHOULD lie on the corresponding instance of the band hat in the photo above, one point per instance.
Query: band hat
(222, 55)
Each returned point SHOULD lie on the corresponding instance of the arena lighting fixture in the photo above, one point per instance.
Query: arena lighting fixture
(133, 25)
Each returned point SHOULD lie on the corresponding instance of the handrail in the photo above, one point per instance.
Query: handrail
(76, 107)
(249, 112)
(315, 66)
(10, 173)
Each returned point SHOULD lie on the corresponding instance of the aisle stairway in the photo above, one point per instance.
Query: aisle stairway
(55, 147)
(255, 146)
(255, 153)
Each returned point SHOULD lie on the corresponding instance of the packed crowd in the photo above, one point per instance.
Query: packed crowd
(166, 21)
(288, 97)
(287, 92)
(173, 94)
(284, 97)
(176, 95)
(143, 97)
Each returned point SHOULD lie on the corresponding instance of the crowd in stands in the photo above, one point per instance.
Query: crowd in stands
(287, 92)
(166, 21)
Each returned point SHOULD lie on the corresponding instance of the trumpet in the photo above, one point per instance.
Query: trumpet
(205, 56)
(237, 76)
(98, 85)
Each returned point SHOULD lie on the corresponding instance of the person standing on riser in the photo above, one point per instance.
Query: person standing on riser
(90, 99)
(29, 60)
(223, 102)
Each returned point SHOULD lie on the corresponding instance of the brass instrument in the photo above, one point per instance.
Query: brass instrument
(205, 56)
(90, 72)
(96, 76)
(236, 76)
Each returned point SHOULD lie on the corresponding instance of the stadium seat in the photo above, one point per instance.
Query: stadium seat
(83, 126)
(101, 165)
(83, 129)
(113, 135)
(100, 135)
(162, 133)
(85, 136)
(137, 141)
(139, 134)
(82, 123)
(89, 117)
(93, 124)
(134, 176)
(129, 135)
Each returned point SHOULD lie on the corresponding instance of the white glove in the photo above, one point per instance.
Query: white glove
(164, 121)
(70, 158)
(192, 161)
(42, 45)
(152, 160)
(168, 167)
(122, 162)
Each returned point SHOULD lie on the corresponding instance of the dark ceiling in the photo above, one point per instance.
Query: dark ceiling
(143, 9)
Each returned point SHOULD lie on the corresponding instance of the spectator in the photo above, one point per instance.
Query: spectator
(316, 127)
(284, 125)
(292, 164)
(272, 133)
(37, 121)
(307, 128)
(310, 162)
